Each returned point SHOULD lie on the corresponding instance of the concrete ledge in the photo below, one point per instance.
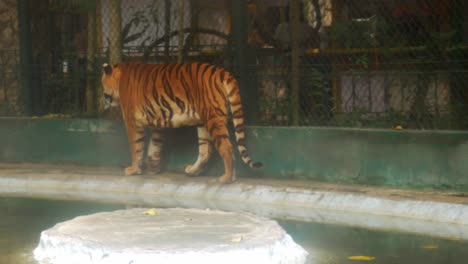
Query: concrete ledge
(428, 213)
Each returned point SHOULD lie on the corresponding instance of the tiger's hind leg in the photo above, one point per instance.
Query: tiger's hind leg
(154, 151)
(205, 149)
(217, 128)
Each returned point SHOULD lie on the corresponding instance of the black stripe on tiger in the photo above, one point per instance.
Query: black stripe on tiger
(203, 141)
(166, 80)
(214, 127)
(139, 140)
(239, 127)
(220, 112)
(169, 109)
(230, 79)
(218, 140)
(186, 88)
(156, 140)
(178, 69)
(180, 103)
(149, 109)
(214, 83)
(235, 103)
(238, 113)
(232, 92)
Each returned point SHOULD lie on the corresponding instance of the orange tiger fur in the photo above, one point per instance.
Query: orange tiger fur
(160, 96)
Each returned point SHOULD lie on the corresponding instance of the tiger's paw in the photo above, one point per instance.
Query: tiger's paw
(226, 179)
(190, 171)
(153, 167)
(132, 170)
(153, 171)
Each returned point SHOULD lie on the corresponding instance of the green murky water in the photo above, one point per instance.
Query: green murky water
(22, 220)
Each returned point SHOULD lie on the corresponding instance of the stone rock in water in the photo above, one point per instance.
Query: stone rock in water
(168, 236)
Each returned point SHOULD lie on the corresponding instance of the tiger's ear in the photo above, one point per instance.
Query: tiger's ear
(107, 69)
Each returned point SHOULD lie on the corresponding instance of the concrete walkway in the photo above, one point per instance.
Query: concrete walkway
(423, 212)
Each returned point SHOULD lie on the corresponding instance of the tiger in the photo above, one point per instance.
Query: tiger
(158, 96)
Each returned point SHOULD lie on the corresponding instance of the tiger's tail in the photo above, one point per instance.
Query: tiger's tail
(233, 95)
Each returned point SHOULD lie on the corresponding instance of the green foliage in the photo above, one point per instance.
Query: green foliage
(361, 61)
(315, 97)
(274, 110)
(352, 34)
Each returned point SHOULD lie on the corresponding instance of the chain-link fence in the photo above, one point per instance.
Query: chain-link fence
(363, 63)
(358, 63)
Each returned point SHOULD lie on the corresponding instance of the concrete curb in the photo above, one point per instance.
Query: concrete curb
(436, 218)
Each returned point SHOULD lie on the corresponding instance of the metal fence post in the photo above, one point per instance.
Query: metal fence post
(458, 92)
(294, 23)
(241, 67)
(180, 28)
(90, 64)
(115, 34)
(25, 53)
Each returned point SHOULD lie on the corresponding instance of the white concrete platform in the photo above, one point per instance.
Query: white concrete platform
(168, 236)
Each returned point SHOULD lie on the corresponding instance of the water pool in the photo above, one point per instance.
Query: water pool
(22, 220)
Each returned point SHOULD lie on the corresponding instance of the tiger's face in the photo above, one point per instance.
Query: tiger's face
(110, 83)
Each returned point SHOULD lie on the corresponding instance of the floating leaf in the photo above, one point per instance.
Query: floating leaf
(398, 127)
(454, 239)
(236, 239)
(361, 258)
(314, 51)
(151, 211)
(430, 247)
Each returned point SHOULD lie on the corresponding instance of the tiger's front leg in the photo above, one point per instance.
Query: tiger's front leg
(136, 139)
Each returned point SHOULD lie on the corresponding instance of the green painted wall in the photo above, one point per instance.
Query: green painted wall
(374, 157)
(415, 159)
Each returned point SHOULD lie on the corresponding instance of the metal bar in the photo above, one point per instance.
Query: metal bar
(25, 55)
(167, 28)
(241, 67)
(294, 22)
(115, 34)
(180, 27)
(90, 61)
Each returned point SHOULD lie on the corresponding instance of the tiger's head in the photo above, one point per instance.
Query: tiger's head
(110, 82)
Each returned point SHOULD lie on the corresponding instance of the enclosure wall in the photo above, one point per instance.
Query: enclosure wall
(412, 159)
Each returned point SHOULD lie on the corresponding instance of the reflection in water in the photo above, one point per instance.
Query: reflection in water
(332, 244)
(22, 220)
